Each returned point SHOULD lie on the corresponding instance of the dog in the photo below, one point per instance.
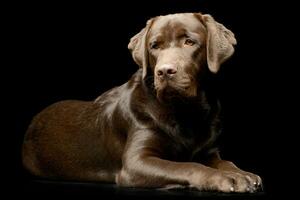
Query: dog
(157, 130)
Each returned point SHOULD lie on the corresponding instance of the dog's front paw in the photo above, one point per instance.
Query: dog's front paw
(233, 182)
(255, 180)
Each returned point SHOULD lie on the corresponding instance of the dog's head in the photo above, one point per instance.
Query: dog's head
(177, 49)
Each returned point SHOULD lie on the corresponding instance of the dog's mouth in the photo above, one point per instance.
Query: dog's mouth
(168, 91)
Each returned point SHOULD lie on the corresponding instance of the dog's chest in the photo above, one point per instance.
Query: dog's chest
(188, 136)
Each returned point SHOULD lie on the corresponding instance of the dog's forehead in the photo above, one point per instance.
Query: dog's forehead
(173, 22)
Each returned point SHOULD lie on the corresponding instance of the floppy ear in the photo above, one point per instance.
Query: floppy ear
(219, 43)
(138, 48)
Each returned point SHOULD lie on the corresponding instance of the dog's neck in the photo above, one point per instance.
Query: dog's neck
(182, 118)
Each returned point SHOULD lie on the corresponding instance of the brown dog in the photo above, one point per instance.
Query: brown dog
(156, 130)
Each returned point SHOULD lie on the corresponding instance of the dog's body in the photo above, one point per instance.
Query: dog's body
(156, 129)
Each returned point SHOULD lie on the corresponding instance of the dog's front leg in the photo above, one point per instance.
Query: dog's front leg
(146, 165)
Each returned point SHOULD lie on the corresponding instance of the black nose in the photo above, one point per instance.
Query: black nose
(166, 70)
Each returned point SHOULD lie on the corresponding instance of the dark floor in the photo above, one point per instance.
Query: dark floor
(43, 188)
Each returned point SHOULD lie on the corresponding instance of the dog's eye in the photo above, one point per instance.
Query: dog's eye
(154, 45)
(189, 42)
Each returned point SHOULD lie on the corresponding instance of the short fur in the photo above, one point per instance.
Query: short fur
(158, 129)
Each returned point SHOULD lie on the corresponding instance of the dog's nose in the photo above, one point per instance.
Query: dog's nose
(166, 70)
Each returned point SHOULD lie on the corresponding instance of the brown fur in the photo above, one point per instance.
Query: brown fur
(156, 130)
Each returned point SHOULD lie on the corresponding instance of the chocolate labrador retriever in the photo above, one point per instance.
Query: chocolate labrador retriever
(156, 130)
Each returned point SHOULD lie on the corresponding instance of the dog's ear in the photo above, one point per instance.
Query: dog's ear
(138, 47)
(219, 43)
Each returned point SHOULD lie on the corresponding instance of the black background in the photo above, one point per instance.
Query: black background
(58, 51)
